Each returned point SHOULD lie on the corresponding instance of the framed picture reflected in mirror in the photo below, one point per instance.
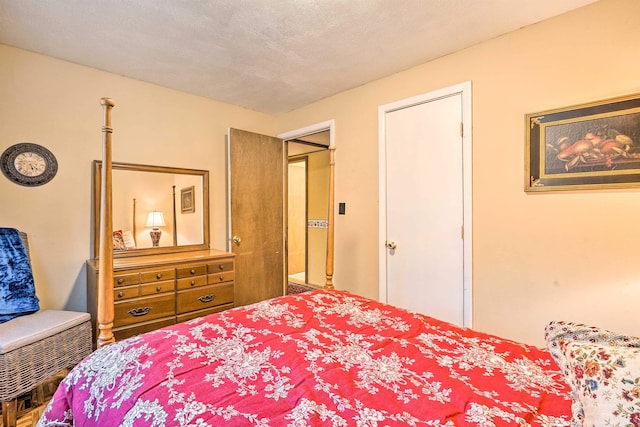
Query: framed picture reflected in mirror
(187, 202)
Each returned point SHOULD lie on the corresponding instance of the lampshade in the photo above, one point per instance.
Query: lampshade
(155, 219)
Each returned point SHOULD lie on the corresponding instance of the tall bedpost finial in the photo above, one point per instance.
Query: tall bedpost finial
(107, 104)
(105, 256)
(332, 162)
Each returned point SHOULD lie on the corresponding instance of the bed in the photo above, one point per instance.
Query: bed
(324, 357)
(319, 358)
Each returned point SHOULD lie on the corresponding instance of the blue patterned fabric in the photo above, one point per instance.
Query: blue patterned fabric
(17, 290)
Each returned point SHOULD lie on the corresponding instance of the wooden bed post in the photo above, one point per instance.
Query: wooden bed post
(134, 219)
(175, 220)
(105, 261)
(332, 162)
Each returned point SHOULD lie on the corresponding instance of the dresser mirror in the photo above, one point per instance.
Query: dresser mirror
(156, 209)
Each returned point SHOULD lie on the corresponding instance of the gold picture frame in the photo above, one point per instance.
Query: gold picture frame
(187, 202)
(588, 146)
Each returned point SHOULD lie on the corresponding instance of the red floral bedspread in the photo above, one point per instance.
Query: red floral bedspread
(320, 358)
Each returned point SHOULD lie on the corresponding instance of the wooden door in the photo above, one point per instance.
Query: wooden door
(257, 176)
(424, 207)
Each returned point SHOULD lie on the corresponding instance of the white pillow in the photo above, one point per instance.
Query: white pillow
(129, 241)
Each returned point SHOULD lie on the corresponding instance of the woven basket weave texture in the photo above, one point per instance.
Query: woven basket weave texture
(24, 368)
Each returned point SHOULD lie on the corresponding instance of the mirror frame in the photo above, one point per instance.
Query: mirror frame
(97, 180)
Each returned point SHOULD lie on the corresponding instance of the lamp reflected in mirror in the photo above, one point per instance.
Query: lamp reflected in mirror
(155, 220)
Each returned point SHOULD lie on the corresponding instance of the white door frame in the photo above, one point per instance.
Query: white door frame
(308, 130)
(464, 89)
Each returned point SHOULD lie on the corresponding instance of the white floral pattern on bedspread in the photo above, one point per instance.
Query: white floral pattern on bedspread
(319, 358)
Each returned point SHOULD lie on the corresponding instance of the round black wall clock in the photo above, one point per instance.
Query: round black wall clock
(28, 164)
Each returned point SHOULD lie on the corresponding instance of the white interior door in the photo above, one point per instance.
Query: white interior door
(423, 258)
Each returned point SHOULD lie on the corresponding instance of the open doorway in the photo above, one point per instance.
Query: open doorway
(307, 209)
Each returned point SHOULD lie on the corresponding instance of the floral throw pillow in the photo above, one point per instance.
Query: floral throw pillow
(606, 380)
(118, 241)
(564, 339)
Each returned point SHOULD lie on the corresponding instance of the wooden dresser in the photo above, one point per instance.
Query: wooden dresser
(153, 291)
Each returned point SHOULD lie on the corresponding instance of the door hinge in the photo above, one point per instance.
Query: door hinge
(462, 232)
(461, 129)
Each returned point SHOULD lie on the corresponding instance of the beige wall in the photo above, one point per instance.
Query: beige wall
(562, 255)
(56, 104)
(568, 255)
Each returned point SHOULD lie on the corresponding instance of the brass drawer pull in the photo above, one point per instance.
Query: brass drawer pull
(140, 311)
(120, 281)
(193, 283)
(158, 288)
(221, 278)
(192, 271)
(207, 298)
(120, 294)
(221, 266)
(159, 276)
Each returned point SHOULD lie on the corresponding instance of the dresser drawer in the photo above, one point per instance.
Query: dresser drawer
(191, 282)
(155, 290)
(140, 328)
(157, 287)
(220, 277)
(222, 265)
(126, 279)
(126, 292)
(205, 312)
(157, 275)
(143, 309)
(204, 297)
(196, 270)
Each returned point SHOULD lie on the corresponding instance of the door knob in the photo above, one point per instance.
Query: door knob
(237, 240)
(391, 245)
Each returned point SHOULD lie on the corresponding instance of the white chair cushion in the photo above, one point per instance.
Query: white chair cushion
(25, 330)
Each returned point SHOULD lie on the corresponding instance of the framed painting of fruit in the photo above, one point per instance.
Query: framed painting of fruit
(595, 145)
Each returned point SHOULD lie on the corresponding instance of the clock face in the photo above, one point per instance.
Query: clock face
(28, 164)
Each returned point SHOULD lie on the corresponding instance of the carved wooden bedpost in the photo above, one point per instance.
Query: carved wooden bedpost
(105, 261)
(332, 162)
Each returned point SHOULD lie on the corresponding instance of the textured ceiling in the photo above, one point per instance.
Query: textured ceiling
(266, 55)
